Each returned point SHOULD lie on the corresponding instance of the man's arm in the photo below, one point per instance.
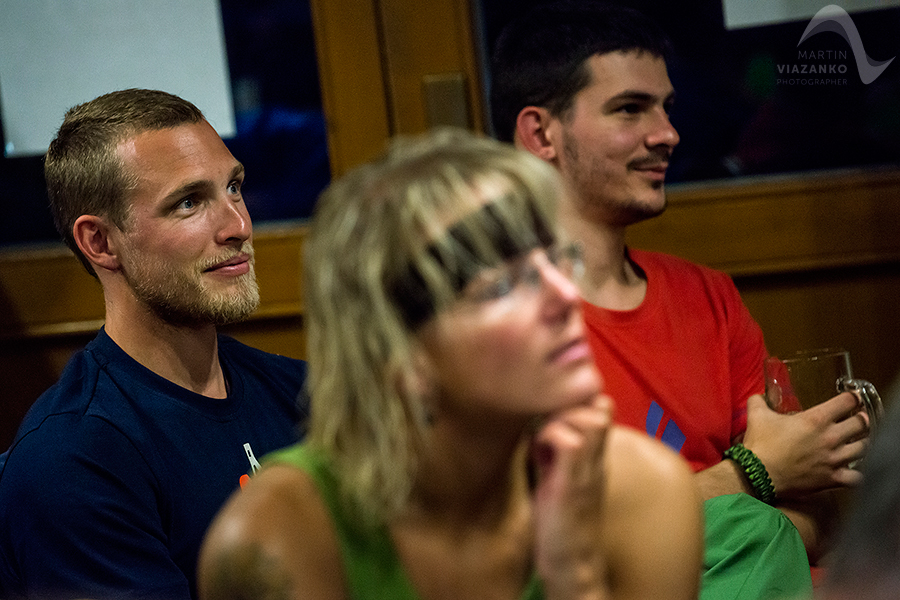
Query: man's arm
(805, 454)
(814, 516)
(720, 479)
(82, 516)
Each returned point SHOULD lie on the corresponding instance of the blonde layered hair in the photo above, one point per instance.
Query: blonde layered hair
(387, 251)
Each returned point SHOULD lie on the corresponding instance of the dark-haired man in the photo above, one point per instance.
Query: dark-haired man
(585, 87)
(118, 469)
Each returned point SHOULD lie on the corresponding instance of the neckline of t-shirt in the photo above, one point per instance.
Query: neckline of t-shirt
(216, 408)
(639, 259)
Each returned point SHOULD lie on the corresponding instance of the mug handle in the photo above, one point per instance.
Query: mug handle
(867, 393)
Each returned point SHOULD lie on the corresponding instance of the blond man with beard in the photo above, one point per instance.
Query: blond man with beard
(119, 468)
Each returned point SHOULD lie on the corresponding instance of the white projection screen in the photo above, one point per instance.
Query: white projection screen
(751, 13)
(58, 53)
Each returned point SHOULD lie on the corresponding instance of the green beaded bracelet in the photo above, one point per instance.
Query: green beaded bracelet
(754, 470)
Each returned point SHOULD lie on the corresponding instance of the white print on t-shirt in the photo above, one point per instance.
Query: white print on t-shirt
(254, 464)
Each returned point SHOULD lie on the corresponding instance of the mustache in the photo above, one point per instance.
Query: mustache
(245, 249)
(656, 159)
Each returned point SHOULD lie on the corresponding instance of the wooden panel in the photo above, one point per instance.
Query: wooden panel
(781, 224)
(27, 368)
(279, 260)
(850, 307)
(354, 98)
(424, 39)
(46, 292)
(375, 59)
(281, 335)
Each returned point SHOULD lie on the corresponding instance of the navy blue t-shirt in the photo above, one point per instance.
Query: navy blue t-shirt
(116, 472)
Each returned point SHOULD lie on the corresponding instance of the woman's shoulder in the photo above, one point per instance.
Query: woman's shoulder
(655, 518)
(276, 532)
(281, 488)
(639, 464)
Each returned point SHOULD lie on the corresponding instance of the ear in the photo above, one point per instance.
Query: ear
(418, 382)
(92, 235)
(420, 379)
(535, 129)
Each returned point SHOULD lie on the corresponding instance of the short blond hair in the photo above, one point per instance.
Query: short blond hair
(84, 173)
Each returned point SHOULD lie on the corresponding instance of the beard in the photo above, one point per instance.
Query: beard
(181, 297)
(598, 196)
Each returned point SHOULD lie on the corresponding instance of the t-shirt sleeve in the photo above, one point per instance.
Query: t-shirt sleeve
(747, 351)
(84, 516)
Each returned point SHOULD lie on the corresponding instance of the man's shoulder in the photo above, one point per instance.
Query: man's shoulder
(79, 398)
(261, 372)
(76, 388)
(63, 432)
(241, 353)
(648, 259)
(682, 275)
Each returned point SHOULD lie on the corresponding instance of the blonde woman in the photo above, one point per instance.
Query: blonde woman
(460, 444)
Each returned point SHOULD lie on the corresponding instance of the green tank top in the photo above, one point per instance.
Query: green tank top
(372, 568)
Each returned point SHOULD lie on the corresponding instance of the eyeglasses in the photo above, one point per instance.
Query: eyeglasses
(492, 283)
(457, 257)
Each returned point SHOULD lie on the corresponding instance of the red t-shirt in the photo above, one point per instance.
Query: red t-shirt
(682, 365)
